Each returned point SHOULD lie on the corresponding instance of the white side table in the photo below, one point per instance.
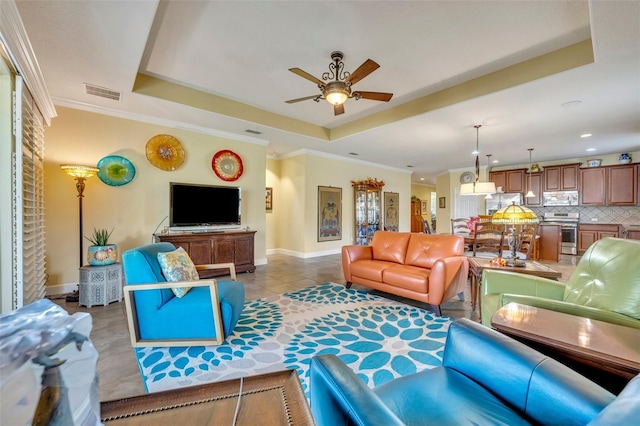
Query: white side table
(100, 285)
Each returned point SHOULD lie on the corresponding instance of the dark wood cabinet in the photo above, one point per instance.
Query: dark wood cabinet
(510, 180)
(589, 233)
(622, 181)
(550, 243)
(534, 184)
(416, 216)
(593, 186)
(632, 234)
(609, 186)
(562, 177)
(236, 247)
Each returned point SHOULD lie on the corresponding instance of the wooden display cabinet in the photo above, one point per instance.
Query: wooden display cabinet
(367, 212)
(236, 247)
(416, 216)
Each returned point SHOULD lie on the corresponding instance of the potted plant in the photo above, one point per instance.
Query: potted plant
(100, 252)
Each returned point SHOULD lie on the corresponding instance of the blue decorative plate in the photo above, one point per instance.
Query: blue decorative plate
(116, 170)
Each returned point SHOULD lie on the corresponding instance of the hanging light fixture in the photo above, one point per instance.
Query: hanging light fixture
(477, 187)
(530, 193)
(488, 196)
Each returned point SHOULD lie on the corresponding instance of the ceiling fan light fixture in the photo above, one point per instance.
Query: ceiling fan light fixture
(336, 93)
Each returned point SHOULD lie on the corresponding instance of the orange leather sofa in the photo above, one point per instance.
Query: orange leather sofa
(430, 268)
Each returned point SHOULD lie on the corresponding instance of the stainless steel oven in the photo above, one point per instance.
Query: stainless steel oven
(568, 223)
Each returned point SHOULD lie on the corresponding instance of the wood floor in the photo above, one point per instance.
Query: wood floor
(117, 367)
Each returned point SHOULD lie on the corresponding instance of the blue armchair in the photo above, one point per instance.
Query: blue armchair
(486, 378)
(204, 316)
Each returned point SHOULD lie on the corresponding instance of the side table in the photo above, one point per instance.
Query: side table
(100, 285)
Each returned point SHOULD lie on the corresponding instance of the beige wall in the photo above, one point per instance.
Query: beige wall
(295, 180)
(133, 210)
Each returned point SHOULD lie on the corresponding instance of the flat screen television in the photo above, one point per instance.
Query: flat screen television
(195, 205)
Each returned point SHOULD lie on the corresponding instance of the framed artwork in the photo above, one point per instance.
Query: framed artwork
(329, 213)
(424, 208)
(269, 199)
(391, 202)
(442, 202)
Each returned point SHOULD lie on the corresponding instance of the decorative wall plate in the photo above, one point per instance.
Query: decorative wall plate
(115, 170)
(467, 177)
(165, 152)
(227, 165)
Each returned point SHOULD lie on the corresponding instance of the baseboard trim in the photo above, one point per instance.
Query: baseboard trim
(301, 255)
(54, 290)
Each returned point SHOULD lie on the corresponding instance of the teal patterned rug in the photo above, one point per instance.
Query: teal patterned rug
(380, 339)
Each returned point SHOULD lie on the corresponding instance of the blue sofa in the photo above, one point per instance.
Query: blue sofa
(486, 379)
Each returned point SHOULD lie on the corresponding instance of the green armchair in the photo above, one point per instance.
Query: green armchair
(605, 286)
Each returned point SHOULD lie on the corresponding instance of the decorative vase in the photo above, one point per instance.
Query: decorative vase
(102, 255)
(625, 158)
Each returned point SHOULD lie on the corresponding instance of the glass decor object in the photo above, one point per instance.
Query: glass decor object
(115, 170)
(165, 152)
(227, 165)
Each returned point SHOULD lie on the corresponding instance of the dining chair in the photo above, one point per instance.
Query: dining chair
(487, 242)
(427, 228)
(460, 226)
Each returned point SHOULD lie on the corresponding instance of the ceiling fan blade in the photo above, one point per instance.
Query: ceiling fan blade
(306, 75)
(363, 70)
(374, 96)
(292, 101)
(338, 109)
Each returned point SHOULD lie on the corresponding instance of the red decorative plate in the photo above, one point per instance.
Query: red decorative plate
(227, 165)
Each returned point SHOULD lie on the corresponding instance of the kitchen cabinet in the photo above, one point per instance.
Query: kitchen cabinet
(236, 247)
(622, 185)
(550, 243)
(589, 233)
(593, 186)
(535, 185)
(510, 180)
(609, 186)
(562, 177)
(632, 234)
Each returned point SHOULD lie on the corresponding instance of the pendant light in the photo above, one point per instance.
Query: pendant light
(488, 196)
(530, 193)
(477, 187)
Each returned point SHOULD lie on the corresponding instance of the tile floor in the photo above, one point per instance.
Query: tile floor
(117, 367)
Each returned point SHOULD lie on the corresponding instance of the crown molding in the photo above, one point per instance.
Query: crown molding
(16, 42)
(305, 151)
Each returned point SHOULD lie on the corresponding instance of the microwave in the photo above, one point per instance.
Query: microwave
(560, 198)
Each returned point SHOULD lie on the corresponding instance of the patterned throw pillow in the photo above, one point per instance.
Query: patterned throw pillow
(177, 266)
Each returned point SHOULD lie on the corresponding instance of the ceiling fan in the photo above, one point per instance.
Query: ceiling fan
(336, 87)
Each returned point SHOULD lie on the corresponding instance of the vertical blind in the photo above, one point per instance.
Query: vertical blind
(28, 199)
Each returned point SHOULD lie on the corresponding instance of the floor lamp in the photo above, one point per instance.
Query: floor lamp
(80, 173)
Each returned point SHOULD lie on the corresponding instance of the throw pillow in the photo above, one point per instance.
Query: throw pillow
(177, 266)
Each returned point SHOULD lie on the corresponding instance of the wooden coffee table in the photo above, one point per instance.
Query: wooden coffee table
(268, 399)
(479, 264)
(607, 353)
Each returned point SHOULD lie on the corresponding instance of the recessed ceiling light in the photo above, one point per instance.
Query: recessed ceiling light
(590, 149)
(421, 178)
(475, 152)
(495, 161)
(586, 135)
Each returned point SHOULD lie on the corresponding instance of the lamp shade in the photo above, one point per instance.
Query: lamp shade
(514, 215)
(478, 188)
(76, 170)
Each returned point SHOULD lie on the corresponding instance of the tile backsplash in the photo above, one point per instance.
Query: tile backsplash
(617, 215)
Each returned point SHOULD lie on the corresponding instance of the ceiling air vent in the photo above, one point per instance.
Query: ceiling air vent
(103, 92)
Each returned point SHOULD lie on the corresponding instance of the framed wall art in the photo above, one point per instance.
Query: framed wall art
(391, 217)
(442, 202)
(329, 213)
(269, 199)
(425, 209)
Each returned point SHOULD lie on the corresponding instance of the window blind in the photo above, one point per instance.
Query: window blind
(28, 199)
